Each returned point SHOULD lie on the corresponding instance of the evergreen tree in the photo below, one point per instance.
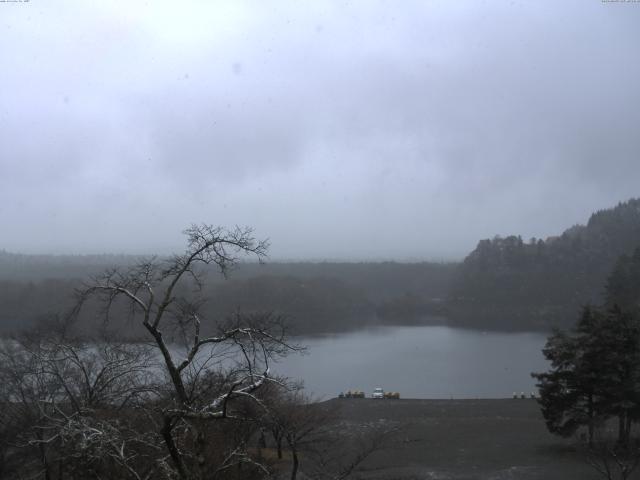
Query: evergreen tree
(623, 285)
(595, 368)
(569, 391)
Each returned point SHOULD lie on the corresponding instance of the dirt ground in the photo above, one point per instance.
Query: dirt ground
(464, 439)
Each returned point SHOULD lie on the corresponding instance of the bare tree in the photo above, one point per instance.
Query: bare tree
(207, 373)
(293, 417)
(319, 444)
(342, 450)
(60, 392)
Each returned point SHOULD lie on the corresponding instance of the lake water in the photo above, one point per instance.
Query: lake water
(419, 362)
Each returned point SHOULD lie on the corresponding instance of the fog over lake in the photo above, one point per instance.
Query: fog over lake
(419, 362)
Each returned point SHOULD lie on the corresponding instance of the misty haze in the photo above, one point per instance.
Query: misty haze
(320, 240)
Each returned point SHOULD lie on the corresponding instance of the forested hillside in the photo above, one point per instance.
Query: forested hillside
(315, 297)
(505, 283)
(512, 283)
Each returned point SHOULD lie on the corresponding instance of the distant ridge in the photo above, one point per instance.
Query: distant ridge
(505, 283)
(19, 266)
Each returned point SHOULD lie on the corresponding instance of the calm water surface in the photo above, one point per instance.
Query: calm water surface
(419, 362)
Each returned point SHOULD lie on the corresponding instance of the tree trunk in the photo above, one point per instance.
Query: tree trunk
(591, 425)
(201, 446)
(45, 462)
(294, 467)
(173, 449)
(262, 444)
(621, 429)
(624, 428)
(279, 446)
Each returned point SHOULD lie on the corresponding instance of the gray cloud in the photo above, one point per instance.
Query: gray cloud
(339, 130)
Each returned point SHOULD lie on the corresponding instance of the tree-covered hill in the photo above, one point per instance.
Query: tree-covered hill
(315, 297)
(505, 283)
(511, 283)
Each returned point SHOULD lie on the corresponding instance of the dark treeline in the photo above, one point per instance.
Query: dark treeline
(15, 266)
(315, 297)
(331, 297)
(505, 283)
(512, 283)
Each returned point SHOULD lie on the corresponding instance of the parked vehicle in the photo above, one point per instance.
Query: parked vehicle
(378, 392)
(352, 394)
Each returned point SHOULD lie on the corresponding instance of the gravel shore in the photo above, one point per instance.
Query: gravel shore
(464, 439)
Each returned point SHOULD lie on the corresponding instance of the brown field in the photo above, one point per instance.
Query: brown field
(464, 439)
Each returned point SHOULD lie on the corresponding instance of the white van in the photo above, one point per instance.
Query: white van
(377, 393)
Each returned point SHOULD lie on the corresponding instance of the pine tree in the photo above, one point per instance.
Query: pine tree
(569, 391)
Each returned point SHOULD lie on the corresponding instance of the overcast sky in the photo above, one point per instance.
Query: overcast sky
(340, 130)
